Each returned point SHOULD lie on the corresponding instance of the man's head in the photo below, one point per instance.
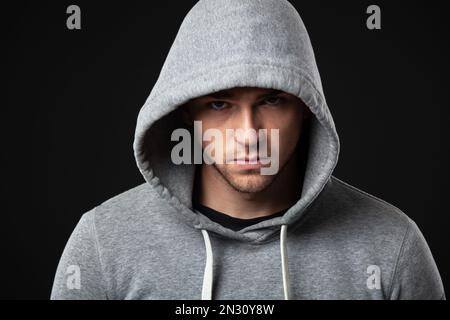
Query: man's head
(248, 109)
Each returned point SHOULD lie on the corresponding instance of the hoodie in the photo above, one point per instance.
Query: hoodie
(335, 242)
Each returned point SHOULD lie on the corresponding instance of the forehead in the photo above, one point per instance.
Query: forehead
(238, 92)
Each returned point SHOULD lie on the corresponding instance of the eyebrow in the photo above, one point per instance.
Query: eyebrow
(228, 94)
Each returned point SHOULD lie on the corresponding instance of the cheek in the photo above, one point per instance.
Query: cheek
(289, 125)
(289, 137)
(208, 121)
(213, 125)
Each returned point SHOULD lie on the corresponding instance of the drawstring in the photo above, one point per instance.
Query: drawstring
(208, 274)
(284, 263)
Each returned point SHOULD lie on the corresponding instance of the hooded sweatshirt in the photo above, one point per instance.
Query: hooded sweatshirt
(335, 242)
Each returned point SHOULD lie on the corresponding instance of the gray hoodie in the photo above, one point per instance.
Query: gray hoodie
(336, 242)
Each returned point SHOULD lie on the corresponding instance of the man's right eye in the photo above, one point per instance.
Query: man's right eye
(218, 105)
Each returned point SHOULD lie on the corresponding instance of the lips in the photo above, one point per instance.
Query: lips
(248, 159)
(255, 160)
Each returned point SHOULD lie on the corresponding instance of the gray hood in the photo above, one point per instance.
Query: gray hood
(223, 44)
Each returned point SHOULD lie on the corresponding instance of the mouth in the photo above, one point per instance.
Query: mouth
(249, 163)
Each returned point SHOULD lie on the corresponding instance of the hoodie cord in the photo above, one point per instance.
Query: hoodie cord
(284, 263)
(208, 274)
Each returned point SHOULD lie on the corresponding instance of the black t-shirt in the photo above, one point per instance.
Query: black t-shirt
(232, 222)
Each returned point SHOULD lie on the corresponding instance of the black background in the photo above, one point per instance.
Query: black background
(73, 97)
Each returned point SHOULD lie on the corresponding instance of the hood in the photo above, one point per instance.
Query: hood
(222, 44)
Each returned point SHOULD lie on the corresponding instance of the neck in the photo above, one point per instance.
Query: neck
(213, 191)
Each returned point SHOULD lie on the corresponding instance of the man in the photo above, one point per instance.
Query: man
(213, 224)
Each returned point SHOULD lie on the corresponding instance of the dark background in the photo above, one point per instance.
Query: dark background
(73, 97)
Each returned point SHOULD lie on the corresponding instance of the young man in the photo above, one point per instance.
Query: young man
(259, 215)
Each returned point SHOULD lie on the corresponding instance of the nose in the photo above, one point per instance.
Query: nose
(249, 124)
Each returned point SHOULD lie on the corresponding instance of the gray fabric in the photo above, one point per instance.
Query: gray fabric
(146, 243)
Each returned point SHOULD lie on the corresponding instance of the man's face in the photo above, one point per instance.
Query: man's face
(250, 108)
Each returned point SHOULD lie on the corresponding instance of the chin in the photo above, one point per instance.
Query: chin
(247, 181)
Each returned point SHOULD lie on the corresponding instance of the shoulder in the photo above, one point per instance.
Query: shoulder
(371, 231)
(358, 205)
(355, 216)
(129, 211)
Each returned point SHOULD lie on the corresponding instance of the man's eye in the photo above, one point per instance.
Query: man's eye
(218, 105)
(273, 100)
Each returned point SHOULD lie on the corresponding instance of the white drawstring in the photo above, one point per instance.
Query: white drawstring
(208, 274)
(284, 263)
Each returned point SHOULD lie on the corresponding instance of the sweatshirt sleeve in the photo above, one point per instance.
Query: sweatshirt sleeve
(79, 273)
(416, 276)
